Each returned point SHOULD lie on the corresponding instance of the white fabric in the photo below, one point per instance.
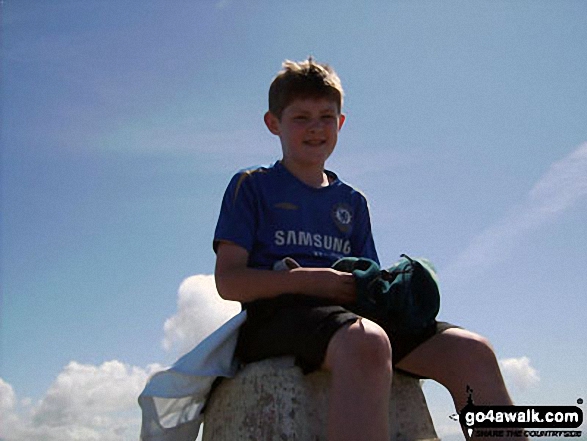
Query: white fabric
(173, 399)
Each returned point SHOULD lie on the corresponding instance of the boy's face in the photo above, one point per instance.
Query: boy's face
(308, 131)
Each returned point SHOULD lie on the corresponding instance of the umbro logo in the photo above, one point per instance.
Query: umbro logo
(286, 206)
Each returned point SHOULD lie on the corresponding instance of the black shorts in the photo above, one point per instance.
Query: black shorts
(303, 326)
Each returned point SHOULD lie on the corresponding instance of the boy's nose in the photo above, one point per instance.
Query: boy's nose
(316, 124)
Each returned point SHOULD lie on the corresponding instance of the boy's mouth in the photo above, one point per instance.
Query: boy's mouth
(315, 142)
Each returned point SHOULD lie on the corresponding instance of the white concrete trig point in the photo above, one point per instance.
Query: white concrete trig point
(273, 401)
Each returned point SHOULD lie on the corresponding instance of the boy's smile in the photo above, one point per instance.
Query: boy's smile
(308, 131)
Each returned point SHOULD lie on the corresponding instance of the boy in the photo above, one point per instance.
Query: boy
(298, 209)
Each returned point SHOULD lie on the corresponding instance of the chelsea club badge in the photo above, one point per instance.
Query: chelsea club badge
(343, 217)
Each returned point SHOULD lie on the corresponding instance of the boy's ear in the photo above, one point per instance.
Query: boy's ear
(272, 123)
(341, 119)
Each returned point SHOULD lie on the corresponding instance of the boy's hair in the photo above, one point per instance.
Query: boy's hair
(304, 79)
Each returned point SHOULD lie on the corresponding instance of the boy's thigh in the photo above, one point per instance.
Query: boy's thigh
(442, 353)
(405, 344)
(304, 327)
(282, 328)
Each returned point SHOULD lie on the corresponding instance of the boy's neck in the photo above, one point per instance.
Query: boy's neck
(312, 176)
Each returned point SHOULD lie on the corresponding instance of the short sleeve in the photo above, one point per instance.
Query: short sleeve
(237, 221)
(363, 242)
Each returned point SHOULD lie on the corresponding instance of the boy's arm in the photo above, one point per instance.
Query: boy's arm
(235, 281)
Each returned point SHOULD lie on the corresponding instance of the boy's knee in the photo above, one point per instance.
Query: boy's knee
(362, 343)
(482, 346)
(479, 350)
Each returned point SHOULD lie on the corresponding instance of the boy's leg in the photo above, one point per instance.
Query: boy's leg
(359, 358)
(458, 358)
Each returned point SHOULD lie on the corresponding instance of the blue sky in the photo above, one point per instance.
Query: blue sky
(122, 123)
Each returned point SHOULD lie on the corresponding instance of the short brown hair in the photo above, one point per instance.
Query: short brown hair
(304, 79)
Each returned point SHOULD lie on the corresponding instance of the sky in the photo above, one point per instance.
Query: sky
(122, 123)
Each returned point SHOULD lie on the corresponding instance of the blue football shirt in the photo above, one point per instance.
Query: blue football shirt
(272, 214)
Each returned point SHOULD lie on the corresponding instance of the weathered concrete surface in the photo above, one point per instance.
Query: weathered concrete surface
(272, 400)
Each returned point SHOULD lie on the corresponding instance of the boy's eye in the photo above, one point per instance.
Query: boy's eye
(305, 118)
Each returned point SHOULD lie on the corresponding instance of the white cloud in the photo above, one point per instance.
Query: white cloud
(88, 402)
(519, 373)
(7, 397)
(155, 133)
(200, 310)
(8, 417)
(85, 390)
(563, 184)
(559, 189)
(85, 402)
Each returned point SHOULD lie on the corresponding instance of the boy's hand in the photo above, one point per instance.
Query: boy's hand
(235, 281)
(336, 286)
